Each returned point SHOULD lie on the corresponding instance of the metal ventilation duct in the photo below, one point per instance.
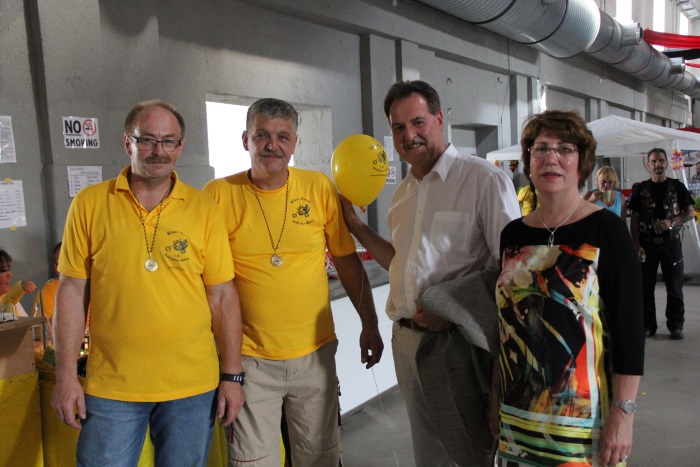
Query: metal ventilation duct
(565, 28)
(561, 29)
(688, 9)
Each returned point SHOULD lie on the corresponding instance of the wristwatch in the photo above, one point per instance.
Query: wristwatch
(627, 406)
(238, 378)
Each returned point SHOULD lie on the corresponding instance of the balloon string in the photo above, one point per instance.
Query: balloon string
(382, 410)
(384, 417)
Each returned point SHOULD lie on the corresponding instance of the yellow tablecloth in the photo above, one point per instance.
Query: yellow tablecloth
(20, 421)
(60, 440)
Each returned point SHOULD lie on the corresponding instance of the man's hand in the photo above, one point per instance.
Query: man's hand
(662, 225)
(351, 218)
(430, 322)
(28, 286)
(641, 253)
(371, 346)
(68, 400)
(230, 401)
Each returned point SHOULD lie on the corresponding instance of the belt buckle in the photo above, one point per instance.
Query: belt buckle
(412, 325)
(415, 326)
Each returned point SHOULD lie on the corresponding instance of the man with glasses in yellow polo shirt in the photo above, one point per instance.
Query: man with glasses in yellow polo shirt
(150, 255)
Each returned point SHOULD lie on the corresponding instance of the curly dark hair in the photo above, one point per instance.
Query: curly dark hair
(569, 127)
(5, 259)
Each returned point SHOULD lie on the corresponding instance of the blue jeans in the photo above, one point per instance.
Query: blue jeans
(114, 431)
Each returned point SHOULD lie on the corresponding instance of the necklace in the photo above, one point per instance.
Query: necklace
(551, 232)
(275, 260)
(150, 264)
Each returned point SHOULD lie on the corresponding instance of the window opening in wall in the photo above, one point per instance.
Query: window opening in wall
(471, 139)
(659, 21)
(225, 125)
(683, 24)
(543, 97)
(623, 10)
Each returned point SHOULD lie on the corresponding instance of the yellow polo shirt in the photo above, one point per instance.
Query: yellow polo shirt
(286, 309)
(151, 331)
(46, 296)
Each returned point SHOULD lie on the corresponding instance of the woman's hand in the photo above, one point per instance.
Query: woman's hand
(28, 286)
(616, 437)
(593, 196)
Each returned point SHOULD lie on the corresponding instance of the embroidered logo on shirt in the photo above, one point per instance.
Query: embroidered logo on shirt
(301, 213)
(176, 250)
(180, 246)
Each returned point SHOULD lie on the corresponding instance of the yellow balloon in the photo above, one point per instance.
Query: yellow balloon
(360, 168)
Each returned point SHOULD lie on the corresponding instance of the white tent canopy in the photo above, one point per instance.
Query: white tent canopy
(622, 137)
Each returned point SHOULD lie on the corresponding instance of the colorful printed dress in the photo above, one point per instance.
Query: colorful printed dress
(562, 310)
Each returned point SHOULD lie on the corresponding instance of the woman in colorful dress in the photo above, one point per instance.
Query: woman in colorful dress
(570, 314)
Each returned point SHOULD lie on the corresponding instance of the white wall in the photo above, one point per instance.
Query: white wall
(96, 58)
(358, 384)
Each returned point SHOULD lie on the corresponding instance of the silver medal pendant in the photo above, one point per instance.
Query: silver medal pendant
(276, 260)
(150, 265)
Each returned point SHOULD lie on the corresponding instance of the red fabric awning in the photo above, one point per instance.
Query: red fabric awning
(675, 41)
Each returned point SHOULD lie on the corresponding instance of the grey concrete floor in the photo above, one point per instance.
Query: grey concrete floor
(668, 405)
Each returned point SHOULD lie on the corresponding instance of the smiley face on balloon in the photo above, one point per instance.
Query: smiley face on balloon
(360, 168)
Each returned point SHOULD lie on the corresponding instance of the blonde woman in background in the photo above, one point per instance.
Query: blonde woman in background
(606, 195)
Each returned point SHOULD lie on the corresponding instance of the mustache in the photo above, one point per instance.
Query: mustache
(268, 153)
(158, 160)
(414, 141)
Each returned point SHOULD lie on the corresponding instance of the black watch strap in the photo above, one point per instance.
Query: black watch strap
(234, 378)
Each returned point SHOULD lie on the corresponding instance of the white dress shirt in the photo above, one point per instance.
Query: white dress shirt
(446, 225)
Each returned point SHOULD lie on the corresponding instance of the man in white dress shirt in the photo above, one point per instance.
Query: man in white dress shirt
(445, 222)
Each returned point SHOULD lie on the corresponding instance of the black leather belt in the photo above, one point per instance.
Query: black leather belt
(410, 324)
(661, 240)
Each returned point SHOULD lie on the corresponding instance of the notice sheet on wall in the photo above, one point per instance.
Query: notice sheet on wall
(80, 176)
(12, 212)
(7, 141)
(391, 179)
(389, 147)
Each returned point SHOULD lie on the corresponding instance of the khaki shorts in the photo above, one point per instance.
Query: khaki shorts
(308, 388)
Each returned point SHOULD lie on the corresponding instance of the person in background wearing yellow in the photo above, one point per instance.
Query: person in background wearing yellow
(47, 294)
(527, 197)
(11, 295)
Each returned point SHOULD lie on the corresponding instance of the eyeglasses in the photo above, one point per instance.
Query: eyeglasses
(540, 151)
(149, 144)
(608, 182)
